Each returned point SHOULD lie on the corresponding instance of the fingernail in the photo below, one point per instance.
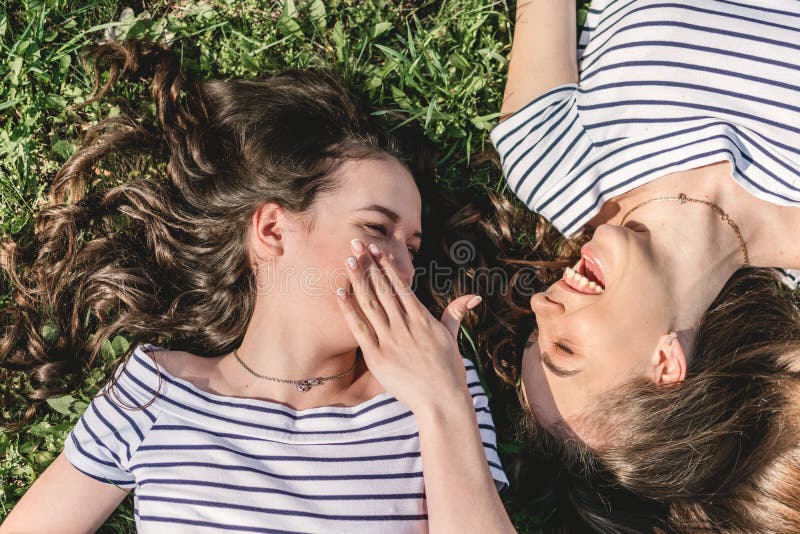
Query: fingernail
(340, 293)
(474, 302)
(374, 250)
(352, 262)
(357, 245)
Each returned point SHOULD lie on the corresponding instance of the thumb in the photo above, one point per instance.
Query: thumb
(456, 310)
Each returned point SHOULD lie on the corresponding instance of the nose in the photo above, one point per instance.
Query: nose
(543, 304)
(404, 266)
(407, 277)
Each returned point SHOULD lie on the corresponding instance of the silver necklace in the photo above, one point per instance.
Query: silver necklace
(304, 384)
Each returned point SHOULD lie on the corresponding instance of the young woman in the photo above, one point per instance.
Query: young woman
(254, 410)
(665, 363)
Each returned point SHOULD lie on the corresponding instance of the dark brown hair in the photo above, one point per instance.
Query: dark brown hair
(522, 253)
(160, 256)
(722, 448)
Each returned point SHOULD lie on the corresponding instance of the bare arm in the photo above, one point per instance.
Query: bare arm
(459, 488)
(416, 358)
(543, 54)
(63, 500)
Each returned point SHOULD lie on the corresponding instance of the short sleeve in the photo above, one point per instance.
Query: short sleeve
(790, 277)
(485, 425)
(105, 438)
(542, 143)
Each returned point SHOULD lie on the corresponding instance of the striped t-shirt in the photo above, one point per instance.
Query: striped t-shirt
(664, 86)
(201, 462)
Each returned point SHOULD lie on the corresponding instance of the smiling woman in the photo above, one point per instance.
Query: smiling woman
(664, 367)
(245, 403)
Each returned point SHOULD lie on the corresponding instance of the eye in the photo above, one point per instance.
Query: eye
(563, 348)
(381, 229)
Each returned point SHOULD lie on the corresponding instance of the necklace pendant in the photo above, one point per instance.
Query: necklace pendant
(305, 385)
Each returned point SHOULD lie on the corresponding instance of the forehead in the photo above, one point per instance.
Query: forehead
(616, 334)
(552, 400)
(381, 180)
(571, 402)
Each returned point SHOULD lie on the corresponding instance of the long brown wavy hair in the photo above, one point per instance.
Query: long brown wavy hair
(719, 452)
(160, 257)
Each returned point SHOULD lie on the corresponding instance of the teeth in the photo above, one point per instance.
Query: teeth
(574, 274)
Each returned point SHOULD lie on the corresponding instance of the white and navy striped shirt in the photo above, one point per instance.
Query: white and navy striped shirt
(201, 462)
(664, 86)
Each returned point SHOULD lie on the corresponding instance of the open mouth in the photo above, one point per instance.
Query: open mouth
(586, 276)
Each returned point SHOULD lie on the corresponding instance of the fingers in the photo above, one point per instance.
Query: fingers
(403, 292)
(362, 331)
(384, 289)
(372, 291)
(456, 310)
(453, 314)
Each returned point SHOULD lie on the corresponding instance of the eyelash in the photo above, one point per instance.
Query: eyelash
(385, 233)
(378, 228)
(563, 348)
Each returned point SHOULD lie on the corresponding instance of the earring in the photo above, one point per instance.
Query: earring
(671, 337)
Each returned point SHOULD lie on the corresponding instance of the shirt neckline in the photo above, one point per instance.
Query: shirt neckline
(202, 394)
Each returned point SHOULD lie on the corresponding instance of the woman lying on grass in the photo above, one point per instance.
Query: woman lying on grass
(664, 368)
(256, 413)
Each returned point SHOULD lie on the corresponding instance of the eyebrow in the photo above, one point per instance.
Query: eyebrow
(558, 371)
(391, 214)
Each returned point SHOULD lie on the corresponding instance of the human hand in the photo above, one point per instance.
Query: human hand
(411, 353)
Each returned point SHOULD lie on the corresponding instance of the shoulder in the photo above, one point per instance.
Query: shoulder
(175, 370)
(483, 415)
(176, 363)
(116, 421)
(134, 383)
(790, 277)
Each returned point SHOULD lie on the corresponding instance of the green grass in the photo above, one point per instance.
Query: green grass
(441, 64)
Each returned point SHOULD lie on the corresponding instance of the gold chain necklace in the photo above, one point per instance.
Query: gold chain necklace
(683, 199)
(304, 384)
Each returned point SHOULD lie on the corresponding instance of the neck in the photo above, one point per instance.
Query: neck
(695, 251)
(278, 345)
(696, 257)
(768, 229)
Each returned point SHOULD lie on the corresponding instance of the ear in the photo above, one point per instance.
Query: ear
(267, 228)
(669, 361)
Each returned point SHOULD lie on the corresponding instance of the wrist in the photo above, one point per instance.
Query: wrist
(445, 407)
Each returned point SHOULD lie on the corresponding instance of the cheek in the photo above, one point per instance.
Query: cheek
(628, 338)
(619, 334)
(315, 271)
(324, 252)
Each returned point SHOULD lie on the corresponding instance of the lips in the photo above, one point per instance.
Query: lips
(594, 266)
(587, 275)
